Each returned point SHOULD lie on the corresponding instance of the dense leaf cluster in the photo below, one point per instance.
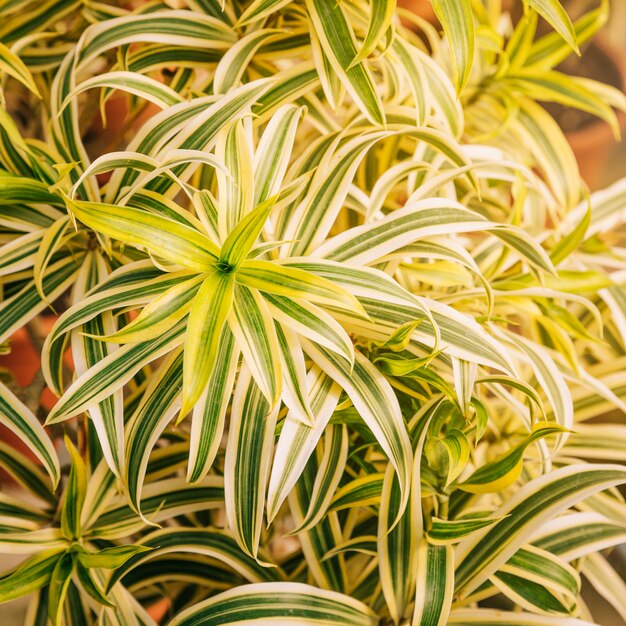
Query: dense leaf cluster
(337, 323)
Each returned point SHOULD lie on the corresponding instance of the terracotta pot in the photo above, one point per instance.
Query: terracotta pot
(423, 8)
(592, 146)
(159, 609)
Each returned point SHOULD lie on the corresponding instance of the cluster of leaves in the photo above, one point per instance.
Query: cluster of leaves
(337, 324)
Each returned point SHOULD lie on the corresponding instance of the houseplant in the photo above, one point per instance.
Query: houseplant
(344, 323)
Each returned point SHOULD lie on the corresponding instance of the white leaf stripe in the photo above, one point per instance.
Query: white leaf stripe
(281, 603)
(297, 441)
(108, 415)
(319, 540)
(209, 414)
(174, 27)
(373, 399)
(538, 501)
(255, 333)
(213, 543)
(337, 38)
(329, 474)
(158, 406)
(112, 373)
(247, 462)
(16, 416)
(435, 585)
(313, 323)
(295, 390)
(367, 243)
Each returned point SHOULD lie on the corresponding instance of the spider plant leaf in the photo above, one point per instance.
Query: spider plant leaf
(209, 413)
(372, 397)
(400, 532)
(338, 42)
(311, 322)
(216, 544)
(108, 415)
(278, 602)
(504, 470)
(554, 86)
(253, 327)
(446, 532)
(538, 501)
(313, 218)
(110, 558)
(191, 125)
(334, 89)
(435, 585)
(161, 500)
(247, 462)
(53, 239)
(131, 285)
(553, 12)
(575, 535)
(243, 236)
(493, 617)
(329, 474)
(551, 49)
(32, 541)
(236, 186)
(178, 28)
(380, 21)
(161, 314)
(20, 253)
(551, 380)
(273, 152)
(59, 584)
(291, 282)
(74, 494)
(26, 303)
(365, 544)
(427, 218)
(448, 454)
(89, 586)
(31, 575)
(605, 442)
(259, 9)
(544, 139)
(396, 547)
(22, 23)
(297, 440)
(144, 87)
(457, 19)
(11, 64)
(318, 540)
(161, 236)
(295, 389)
(159, 404)
(26, 473)
(390, 306)
(18, 418)
(112, 373)
(207, 211)
(209, 311)
(232, 65)
(18, 189)
(539, 581)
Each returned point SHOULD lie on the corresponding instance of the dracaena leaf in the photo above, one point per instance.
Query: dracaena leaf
(209, 311)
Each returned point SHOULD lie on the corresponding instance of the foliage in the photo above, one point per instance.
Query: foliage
(346, 328)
